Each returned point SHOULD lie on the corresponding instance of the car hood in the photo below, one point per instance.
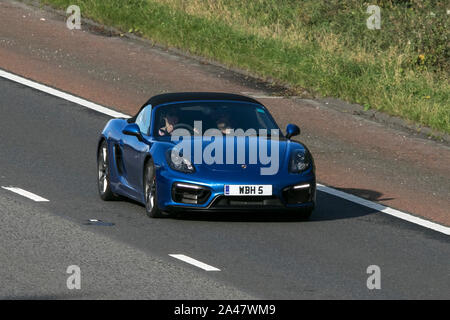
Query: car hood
(264, 152)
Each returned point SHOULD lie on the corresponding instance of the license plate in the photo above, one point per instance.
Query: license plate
(248, 190)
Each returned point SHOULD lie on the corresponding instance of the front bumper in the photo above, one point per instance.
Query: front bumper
(176, 193)
(239, 207)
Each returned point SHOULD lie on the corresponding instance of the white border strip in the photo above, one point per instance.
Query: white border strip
(337, 193)
(62, 95)
(26, 194)
(379, 207)
(194, 262)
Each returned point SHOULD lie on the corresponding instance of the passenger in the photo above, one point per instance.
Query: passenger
(223, 123)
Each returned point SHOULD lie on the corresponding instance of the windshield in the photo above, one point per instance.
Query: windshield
(225, 116)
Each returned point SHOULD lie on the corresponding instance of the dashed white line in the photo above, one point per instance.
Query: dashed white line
(390, 211)
(337, 193)
(194, 262)
(26, 194)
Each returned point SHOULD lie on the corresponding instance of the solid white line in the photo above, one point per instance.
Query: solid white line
(62, 95)
(194, 262)
(337, 193)
(379, 207)
(26, 194)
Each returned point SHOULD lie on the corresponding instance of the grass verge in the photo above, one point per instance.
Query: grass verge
(324, 47)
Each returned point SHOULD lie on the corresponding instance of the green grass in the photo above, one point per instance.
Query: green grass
(322, 46)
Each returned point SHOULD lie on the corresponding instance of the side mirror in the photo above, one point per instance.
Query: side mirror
(132, 129)
(292, 130)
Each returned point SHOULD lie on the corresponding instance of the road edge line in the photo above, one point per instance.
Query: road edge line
(61, 94)
(387, 210)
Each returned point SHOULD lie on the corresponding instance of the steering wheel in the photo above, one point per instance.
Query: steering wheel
(184, 126)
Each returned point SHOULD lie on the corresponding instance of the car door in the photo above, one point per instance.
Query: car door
(135, 151)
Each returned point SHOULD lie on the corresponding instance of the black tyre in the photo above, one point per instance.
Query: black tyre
(151, 203)
(103, 181)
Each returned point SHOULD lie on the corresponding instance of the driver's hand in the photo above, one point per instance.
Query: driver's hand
(162, 131)
(169, 126)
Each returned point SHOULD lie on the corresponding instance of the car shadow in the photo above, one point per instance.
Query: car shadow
(243, 216)
(364, 193)
(329, 207)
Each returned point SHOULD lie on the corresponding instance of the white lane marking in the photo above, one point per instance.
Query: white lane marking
(390, 211)
(337, 193)
(194, 262)
(62, 95)
(26, 194)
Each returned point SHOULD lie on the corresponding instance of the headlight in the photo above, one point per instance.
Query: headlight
(300, 161)
(178, 162)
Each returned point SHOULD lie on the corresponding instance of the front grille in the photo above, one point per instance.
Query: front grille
(246, 202)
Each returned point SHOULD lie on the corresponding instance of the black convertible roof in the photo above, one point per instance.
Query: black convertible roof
(191, 96)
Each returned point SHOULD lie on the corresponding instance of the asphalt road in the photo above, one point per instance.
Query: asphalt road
(47, 147)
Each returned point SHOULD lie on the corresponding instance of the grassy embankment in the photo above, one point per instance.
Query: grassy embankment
(323, 46)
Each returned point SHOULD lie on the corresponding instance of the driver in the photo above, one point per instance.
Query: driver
(223, 123)
(170, 120)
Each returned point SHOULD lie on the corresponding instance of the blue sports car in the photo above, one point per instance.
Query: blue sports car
(203, 151)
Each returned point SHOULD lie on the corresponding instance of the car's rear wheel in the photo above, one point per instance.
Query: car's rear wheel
(151, 202)
(104, 185)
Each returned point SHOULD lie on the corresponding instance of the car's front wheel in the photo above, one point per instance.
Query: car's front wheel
(151, 203)
(103, 181)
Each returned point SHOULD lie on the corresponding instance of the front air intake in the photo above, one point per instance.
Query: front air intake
(190, 193)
